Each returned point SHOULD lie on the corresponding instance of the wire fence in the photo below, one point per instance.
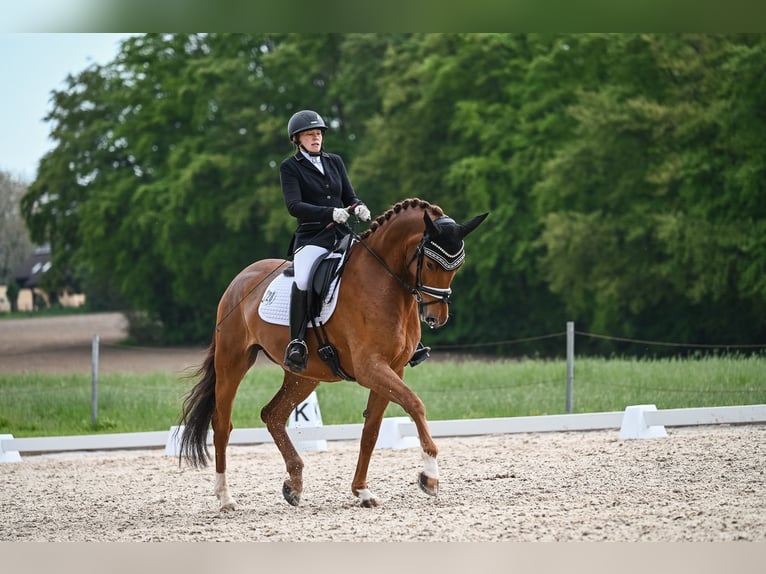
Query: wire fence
(562, 335)
(579, 385)
(668, 387)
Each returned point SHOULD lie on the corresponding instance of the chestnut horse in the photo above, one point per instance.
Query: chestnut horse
(397, 274)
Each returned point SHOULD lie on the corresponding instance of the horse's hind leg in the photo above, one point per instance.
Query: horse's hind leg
(373, 416)
(228, 375)
(294, 391)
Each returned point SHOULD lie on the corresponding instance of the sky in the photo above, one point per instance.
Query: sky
(31, 67)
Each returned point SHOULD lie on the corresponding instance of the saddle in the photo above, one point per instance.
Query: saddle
(325, 273)
(322, 295)
(323, 276)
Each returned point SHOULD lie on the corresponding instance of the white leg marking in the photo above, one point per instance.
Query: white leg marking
(222, 492)
(365, 495)
(431, 468)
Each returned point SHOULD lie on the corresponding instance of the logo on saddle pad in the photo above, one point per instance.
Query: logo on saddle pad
(275, 303)
(269, 297)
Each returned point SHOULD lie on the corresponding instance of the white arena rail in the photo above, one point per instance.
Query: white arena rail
(640, 421)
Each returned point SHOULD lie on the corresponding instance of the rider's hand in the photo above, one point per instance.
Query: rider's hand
(362, 212)
(339, 215)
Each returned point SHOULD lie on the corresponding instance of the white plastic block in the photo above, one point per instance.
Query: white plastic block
(390, 435)
(8, 455)
(173, 445)
(307, 415)
(634, 424)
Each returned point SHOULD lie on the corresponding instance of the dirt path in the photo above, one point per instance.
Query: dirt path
(64, 345)
(699, 484)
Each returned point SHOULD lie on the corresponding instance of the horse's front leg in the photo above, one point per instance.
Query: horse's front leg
(387, 383)
(429, 476)
(373, 416)
(294, 391)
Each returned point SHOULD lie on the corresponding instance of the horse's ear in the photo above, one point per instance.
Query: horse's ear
(472, 224)
(431, 229)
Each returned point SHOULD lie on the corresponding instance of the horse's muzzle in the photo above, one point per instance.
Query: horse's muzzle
(437, 299)
(434, 321)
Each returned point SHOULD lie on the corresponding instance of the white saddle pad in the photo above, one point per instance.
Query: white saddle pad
(275, 305)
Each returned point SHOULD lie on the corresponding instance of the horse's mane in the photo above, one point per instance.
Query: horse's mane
(435, 210)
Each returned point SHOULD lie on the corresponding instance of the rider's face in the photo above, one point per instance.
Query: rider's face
(311, 140)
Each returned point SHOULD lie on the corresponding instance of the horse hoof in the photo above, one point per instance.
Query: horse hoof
(228, 507)
(291, 496)
(366, 498)
(429, 485)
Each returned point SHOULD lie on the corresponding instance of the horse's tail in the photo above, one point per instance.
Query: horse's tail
(197, 413)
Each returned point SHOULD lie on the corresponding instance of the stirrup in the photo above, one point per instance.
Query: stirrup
(421, 354)
(296, 355)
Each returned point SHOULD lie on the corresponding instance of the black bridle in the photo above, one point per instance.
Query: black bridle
(426, 246)
(439, 295)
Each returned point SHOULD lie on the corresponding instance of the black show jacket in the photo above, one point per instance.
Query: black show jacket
(311, 196)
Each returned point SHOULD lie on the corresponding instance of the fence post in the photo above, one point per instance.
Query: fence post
(94, 381)
(570, 365)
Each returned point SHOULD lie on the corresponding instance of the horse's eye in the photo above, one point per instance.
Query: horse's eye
(429, 265)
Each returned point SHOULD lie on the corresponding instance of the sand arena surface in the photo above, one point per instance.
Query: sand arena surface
(702, 484)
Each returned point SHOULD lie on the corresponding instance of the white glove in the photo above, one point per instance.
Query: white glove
(339, 215)
(362, 212)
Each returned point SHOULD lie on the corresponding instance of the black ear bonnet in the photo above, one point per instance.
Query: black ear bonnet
(444, 243)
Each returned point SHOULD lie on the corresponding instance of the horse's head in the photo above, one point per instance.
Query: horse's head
(440, 253)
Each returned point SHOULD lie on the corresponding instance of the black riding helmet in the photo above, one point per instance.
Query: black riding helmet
(304, 120)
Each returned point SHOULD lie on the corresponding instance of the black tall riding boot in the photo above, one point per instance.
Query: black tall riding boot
(421, 354)
(296, 354)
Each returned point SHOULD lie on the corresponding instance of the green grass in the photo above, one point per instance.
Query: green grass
(49, 405)
(56, 311)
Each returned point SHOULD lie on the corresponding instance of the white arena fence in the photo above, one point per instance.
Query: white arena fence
(636, 422)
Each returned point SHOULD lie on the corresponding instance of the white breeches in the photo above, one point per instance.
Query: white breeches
(303, 261)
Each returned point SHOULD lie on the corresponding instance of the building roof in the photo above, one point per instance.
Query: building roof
(30, 271)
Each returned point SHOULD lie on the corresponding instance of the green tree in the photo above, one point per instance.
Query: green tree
(15, 244)
(623, 172)
(646, 226)
(165, 181)
(12, 294)
(468, 121)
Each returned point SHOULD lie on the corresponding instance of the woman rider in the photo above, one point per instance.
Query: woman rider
(319, 195)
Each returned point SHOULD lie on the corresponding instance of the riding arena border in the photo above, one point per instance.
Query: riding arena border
(636, 422)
